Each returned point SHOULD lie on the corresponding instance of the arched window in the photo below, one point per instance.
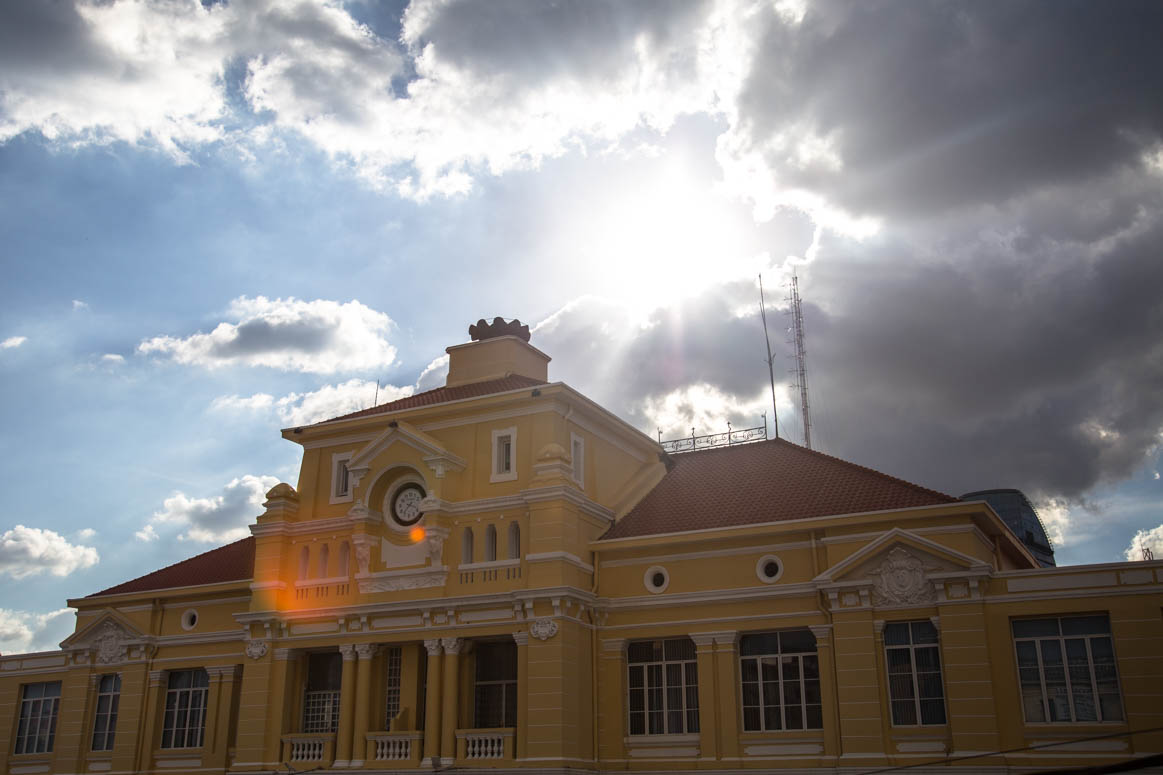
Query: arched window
(323, 557)
(305, 562)
(344, 559)
(490, 543)
(514, 541)
(466, 546)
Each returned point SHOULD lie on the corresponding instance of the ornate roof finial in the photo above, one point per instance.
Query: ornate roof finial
(482, 330)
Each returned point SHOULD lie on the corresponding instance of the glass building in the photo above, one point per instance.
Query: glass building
(1019, 514)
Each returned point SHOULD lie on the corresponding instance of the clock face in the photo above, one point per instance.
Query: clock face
(406, 504)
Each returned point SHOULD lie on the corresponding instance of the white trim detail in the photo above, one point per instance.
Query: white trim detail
(497, 473)
(577, 456)
(649, 583)
(567, 557)
(339, 459)
(761, 566)
(189, 619)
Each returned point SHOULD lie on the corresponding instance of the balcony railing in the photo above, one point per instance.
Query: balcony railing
(393, 746)
(479, 745)
(311, 748)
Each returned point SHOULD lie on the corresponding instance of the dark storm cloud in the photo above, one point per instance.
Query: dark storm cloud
(934, 105)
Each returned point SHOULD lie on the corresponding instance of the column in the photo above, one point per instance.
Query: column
(346, 707)
(221, 704)
(432, 696)
(709, 700)
(279, 710)
(828, 706)
(727, 682)
(522, 640)
(365, 652)
(449, 712)
(611, 710)
(154, 702)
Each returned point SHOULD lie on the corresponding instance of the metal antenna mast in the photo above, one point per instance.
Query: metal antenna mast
(797, 316)
(770, 357)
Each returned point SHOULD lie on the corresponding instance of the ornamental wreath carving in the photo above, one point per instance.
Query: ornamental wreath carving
(901, 580)
(256, 649)
(110, 644)
(543, 629)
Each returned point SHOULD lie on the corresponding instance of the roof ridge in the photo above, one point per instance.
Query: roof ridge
(171, 566)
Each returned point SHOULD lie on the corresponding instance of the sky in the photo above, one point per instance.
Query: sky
(220, 219)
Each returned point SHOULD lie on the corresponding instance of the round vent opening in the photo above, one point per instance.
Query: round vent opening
(769, 569)
(656, 579)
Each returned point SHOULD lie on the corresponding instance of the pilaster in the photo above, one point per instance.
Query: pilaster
(727, 683)
(829, 710)
(449, 711)
(612, 699)
(220, 705)
(346, 707)
(710, 703)
(365, 652)
(522, 640)
(432, 709)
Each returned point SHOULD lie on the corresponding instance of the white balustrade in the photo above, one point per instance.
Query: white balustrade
(484, 745)
(307, 750)
(393, 748)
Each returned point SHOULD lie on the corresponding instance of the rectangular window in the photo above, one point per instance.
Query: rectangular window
(781, 681)
(495, 688)
(915, 690)
(340, 477)
(184, 724)
(394, 658)
(321, 698)
(664, 687)
(39, 704)
(105, 718)
(578, 455)
(1066, 669)
(504, 446)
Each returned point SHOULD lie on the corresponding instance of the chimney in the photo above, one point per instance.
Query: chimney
(498, 349)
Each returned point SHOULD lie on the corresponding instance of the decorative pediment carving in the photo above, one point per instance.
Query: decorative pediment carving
(109, 640)
(901, 580)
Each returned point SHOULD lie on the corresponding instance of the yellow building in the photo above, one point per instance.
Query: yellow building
(501, 574)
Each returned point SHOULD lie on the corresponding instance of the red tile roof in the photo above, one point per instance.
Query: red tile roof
(445, 394)
(768, 481)
(233, 562)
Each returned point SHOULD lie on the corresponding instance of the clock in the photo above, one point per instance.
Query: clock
(406, 504)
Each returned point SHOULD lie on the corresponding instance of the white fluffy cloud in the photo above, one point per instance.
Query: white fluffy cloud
(1146, 539)
(25, 631)
(31, 551)
(214, 519)
(13, 341)
(318, 336)
(317, 405)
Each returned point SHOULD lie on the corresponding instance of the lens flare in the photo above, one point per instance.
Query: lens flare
(416, 534)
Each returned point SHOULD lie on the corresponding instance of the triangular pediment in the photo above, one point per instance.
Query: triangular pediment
(933, 557)
(432, 451)
(109, 635)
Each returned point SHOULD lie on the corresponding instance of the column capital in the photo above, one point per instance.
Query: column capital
(521, 638)
(156, 677)
(614, 644)
(452, 645)
(282, 655)
(366, 651)
(823, 633)
(878, 627)
(726, 638)
(936, 620)
(433, 646)
(348, 652)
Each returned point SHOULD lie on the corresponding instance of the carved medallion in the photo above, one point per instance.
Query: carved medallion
(543, 629)
(256, 649)
(901, 580)
(110, 644)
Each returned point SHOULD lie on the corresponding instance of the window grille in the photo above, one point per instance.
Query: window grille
(321, 695)
(1066, 669)
(664, 687)
(392, 692)
(184, 724)
(780, 680)
(105, 718)
(37, 728)
(495, 687)
(914, 673)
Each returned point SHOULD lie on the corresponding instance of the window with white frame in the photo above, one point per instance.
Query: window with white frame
(340, 477)
(321, 697)
(393, 664)
(37, 728)
(663, 684)
(577, 453)
(780, 673)
(915, 690)
(105, 717)
(504, 450)
(1066, 669)
(495, 687)
(184, 723)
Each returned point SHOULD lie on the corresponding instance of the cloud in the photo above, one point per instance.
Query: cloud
(86, 533)
(79, 305)
(315, 406)
(112, 359)
(214, 519)
(318, 336)
(1152, 540)
(12, 342)
(26, 631)
(32, 551)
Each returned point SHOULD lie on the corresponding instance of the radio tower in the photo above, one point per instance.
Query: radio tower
(797, 316)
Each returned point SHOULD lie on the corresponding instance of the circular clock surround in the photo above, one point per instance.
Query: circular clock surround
(405, 504)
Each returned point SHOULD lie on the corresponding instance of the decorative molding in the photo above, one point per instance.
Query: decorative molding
(366, 651)
(348, 652)
(521, 638)
(156, 677)
(900, 580)
(543, 629)
(451, 645)
(257, 649)
(434, 647)
(394, 581)
(434, 537)
(822, 632)
(363, 551)
(614, 644)
(282, 655)
(566, 557)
